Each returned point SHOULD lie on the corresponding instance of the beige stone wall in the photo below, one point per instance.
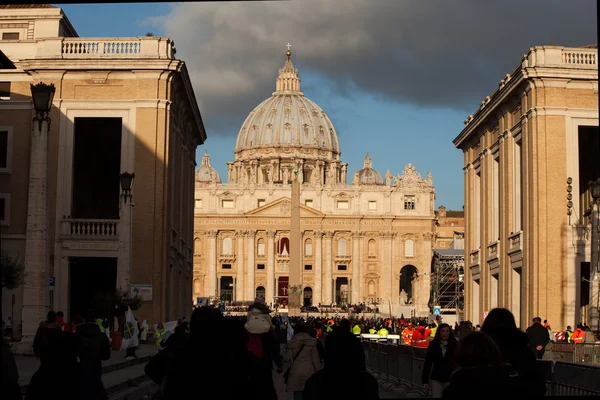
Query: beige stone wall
(540, 110)
(144, 93)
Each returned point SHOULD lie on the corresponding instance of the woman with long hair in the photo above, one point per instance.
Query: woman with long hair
(439, 361)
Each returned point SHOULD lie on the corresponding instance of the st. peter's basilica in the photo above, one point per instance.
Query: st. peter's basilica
(372, 238)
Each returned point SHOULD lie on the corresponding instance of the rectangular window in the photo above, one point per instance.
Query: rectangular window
(495, 234)
(2, 209)
(308, 249)
(477, 209)
(409, 202)
(308, 267)
(308, 203)
(227, 203)
(342, 267)
(10, 35)
(198, 203)
(260, 266)
(226, 266)
(4, 90)
(261, 202)
(4, 153)
(261, 249)
(517, 186)
(372, 205)
(342, 205)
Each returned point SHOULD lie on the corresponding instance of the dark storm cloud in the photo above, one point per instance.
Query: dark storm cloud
(426, 53)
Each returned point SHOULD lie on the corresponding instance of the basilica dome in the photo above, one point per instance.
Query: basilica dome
(367, 175)
(287, 119)
(205, 173)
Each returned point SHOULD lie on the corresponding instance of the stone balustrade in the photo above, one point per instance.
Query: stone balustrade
(112, 48)
(90, 228)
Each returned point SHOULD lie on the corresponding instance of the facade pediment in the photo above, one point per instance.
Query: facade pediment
(227, 195)
(282, 207)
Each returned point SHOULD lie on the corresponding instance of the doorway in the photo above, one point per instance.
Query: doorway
(226, 289)
(341, 291)
(407, 274)
(308, 294)
(96, 168)
(90, 279)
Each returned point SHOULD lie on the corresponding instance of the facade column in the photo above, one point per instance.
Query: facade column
(356, 267)
(250, 266)
(386, 267)
(328, 298)
(211, 289)
(270, 289)
(317, 292)
(239, 261)
(36, 286)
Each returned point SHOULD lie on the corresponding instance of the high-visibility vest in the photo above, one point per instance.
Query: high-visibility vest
(577, 336)
(159, 336)
(356, 330)
(383, 332)
(407, 335)
(99, 322)
(569, 334)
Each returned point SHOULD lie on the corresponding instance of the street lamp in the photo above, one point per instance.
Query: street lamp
(594, 187)
(42, 95)
(126, 185)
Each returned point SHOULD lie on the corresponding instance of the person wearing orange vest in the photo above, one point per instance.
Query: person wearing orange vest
(577, 336)
(420, 337)
(407, 334)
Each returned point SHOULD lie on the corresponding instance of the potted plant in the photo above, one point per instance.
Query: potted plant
(116, 303)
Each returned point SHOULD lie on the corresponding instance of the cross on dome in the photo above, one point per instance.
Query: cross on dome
(288, 81)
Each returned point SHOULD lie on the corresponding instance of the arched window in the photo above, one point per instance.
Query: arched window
(372, 289)
(260, 247)
(409, 248)
(227, 246)
(372, 251)
(308, 248)
(284, 246)
(341, 247)
(197, 246)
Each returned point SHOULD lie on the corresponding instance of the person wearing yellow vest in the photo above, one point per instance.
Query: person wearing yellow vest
(433, 329)
(160, 336)
(100, 322)
(383, 332)
(372, 331)
(356, 329)
(568, 334)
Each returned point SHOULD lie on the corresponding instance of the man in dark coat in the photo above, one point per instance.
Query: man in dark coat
(538, 337)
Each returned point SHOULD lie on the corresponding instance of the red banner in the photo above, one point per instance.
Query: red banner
(282, 286)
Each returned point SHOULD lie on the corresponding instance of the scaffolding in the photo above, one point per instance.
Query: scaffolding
(447, 280)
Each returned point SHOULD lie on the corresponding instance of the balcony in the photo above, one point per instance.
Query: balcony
(493, 251)
(227, 258)
(474, 258)
(89, 229)
(515, 242)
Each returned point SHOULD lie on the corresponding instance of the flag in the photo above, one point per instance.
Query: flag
(130, 333)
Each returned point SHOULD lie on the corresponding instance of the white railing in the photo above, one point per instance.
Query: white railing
(90, 228)
(145, 47)
(113, 48)
(586, 57)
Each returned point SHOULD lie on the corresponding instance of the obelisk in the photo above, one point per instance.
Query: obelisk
(295, 282)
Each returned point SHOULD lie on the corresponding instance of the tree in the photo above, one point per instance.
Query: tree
(13, 271)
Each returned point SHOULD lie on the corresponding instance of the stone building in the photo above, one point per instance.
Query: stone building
(529, 152)
(372, 238)
(450, 226)
(121, 105)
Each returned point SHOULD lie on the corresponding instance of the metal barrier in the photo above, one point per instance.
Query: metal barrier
(399, 369)
(583, 353)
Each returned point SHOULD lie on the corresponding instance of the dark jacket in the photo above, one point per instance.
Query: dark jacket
(538, 335)
(516, 350)
(46, 333)
(326, 385)
(10, 375)
(93, 347)
(483, 382)
(438, 367)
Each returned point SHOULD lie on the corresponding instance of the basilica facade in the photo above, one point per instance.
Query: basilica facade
(367, 241)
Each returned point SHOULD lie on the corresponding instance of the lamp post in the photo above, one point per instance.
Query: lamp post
(36, 288)
(125, 256)
(594, 300)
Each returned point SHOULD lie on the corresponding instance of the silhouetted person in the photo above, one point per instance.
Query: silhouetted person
(344, 375)
(93, 347)
(46, 331)
(439, 361)
(538, 337)
(515, 350)
(10, 376)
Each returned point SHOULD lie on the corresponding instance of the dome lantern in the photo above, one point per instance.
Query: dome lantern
(288, 81)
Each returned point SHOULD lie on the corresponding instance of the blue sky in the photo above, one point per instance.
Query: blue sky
(395, 82)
